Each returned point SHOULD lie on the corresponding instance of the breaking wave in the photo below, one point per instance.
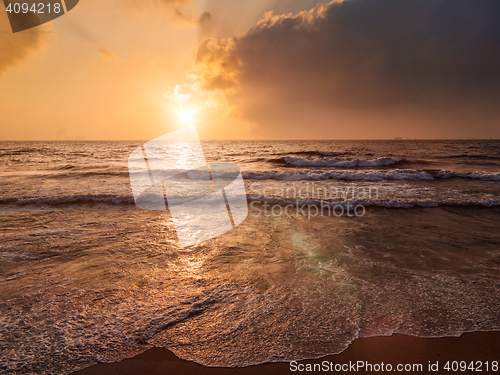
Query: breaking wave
(396, 174)
(341, 163)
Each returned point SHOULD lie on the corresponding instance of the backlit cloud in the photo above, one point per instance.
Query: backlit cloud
(427, 58)
(176, 96)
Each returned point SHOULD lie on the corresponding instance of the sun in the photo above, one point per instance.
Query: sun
(186, 118)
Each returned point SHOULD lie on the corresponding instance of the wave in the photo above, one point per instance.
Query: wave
(371, 175)
(484, 176)
(296, 175)
(342, 163)
(24, 150)
(107, 199)
(350, 204)
(338, 175)
(69, 172)
(315, 153)
(71, 199)
(129, 200)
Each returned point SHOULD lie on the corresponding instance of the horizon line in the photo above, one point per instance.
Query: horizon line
(259, 140)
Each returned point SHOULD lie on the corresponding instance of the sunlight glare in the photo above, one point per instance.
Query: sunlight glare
(186, 118)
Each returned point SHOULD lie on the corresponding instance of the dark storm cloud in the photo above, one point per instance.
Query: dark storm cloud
(366, 54)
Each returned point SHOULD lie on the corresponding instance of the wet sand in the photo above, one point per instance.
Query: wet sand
(393, 350)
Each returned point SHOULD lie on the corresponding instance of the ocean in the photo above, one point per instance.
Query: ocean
(344, 239)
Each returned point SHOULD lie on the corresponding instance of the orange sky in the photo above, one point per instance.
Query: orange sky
(108, 70)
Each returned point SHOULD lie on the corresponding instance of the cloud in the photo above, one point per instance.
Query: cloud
(422, 57)
(16, 48)
(175, 96)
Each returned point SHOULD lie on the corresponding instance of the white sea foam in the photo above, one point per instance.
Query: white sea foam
(398, 174)
(344, 163)
(485, 176)
(369, 175)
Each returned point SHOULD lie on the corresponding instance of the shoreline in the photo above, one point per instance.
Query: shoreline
(475, 347)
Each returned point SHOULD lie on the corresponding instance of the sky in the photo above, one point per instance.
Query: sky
(260, 69)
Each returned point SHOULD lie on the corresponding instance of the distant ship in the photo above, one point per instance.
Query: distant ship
(398, 138)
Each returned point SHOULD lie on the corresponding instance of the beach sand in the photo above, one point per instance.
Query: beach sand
(394, 350)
